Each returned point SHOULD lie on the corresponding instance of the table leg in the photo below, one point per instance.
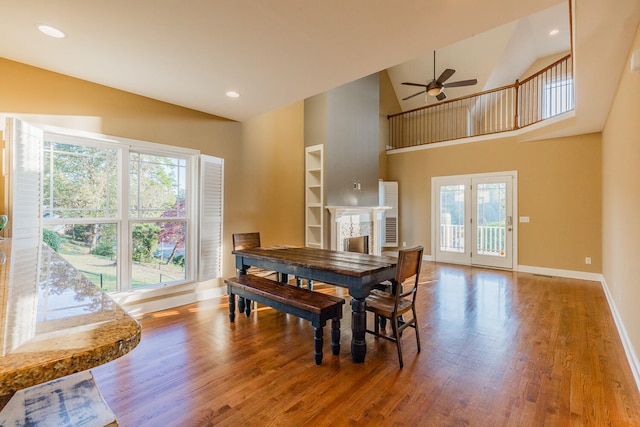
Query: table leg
(335, 336)
(358, 330)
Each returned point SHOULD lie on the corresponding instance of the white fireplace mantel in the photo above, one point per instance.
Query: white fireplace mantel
(373, 214)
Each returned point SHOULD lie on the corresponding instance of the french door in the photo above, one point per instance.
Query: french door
(473, 219)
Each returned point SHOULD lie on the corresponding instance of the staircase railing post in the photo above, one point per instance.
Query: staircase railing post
(516, 119)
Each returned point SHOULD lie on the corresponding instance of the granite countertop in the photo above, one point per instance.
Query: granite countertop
(53, 321)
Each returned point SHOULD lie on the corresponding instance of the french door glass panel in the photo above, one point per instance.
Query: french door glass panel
(491, 219)
(452, 205)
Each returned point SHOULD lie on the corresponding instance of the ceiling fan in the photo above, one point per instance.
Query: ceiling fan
(436, 86)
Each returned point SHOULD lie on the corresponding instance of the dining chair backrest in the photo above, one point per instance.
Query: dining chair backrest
(245, 241)
(408, 267)
(396, 307)
(359, 244)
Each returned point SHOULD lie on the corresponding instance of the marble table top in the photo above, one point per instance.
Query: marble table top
(53, 321)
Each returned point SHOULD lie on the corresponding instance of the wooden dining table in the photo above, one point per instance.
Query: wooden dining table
(354, 271)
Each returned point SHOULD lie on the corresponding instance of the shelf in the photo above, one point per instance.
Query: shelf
(314, 223)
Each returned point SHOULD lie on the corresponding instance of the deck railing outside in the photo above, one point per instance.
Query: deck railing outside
(547, 93)
(490, 239)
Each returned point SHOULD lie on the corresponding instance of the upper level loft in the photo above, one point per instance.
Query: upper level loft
(543, 95)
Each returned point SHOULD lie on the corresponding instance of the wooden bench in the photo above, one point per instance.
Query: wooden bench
(306, 304)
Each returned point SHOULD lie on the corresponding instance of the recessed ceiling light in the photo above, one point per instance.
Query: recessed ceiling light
(233, 94)
(554, 32)
(51, 31)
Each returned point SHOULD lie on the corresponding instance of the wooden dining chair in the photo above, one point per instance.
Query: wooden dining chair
(396, 306)
(250, 240)
(360, 244)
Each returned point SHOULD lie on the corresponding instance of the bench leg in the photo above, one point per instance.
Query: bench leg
(310, 284)
(335, 336)
(232, 307)
(241, 304)
(299, 282)
(317, 341)
(247, 307)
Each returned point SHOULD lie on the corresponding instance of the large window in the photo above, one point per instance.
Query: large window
(121, 215)
(127, 214)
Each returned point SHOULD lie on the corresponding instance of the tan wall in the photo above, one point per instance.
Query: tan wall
(55, 99)
(559, 189)
(272, 197)
(621, 200)
(388, 105)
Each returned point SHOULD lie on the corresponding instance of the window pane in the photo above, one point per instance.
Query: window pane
(79, 181)
(158, 253)
(452, 218)
(491, 219)
(157, 186)
(90, 248)
(558, 98)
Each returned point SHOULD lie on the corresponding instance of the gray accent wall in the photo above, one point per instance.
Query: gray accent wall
(351, 150)
(346, 121)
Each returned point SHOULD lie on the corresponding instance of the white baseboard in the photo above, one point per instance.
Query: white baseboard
(632, 357)
(571, 274)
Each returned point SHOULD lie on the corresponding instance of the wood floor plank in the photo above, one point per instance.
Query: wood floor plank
(498, 348)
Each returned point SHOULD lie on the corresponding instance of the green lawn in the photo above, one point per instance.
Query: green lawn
(102, 270)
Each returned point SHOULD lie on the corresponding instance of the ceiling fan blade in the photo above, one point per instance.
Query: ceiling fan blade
(462, 83)
(445, 75)
(415, 94)
(441, 96)
(414, 84)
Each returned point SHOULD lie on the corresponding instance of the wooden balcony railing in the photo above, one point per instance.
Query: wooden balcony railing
(545, 94)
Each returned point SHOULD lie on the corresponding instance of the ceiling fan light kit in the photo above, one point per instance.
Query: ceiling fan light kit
(434, 90)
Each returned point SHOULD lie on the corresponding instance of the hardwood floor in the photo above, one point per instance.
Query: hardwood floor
(498, 349)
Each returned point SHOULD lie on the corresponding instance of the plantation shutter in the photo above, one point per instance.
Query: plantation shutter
(23, 194)
(23, 181)
(211, 213)
(389, 197)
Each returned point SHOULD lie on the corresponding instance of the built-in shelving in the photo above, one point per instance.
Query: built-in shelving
(314, 196)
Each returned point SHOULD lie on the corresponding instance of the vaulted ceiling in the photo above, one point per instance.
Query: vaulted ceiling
(277, 52)
(496, 57)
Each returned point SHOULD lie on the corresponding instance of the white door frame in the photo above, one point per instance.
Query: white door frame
(435, 195)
